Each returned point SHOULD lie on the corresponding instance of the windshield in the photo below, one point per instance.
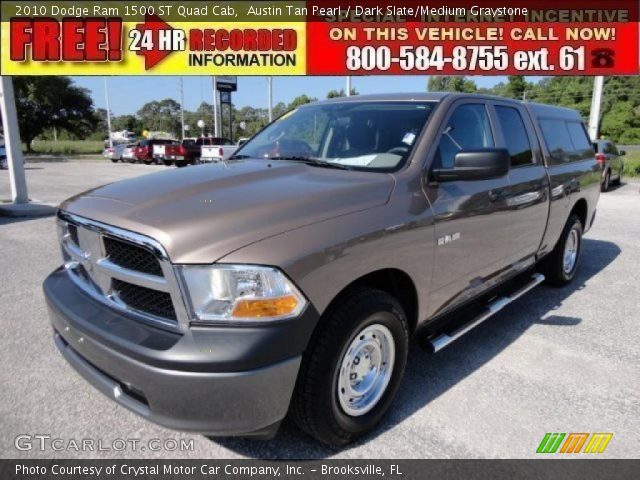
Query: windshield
(376, 136)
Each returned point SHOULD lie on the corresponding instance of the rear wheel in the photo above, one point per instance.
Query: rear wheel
(181, 164)
(618, 180)
(168, 163)
(560, 266)
(114, 160)
(353, 367)
(147, 162)
(606, 182)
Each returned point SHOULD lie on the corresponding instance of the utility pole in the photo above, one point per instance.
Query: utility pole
(106, 101)
(596, 101)
(524, 96)
(270, 97)
(182, 106)
(216, 96)
(12, 141)
(348, 85)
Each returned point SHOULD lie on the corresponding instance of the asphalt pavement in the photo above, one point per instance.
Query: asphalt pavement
(557, 360)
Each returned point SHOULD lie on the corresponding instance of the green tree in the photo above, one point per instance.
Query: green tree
(126, 122)
(163, 115)
(301, 100)
(341, 93)
(440, 83)
(517, 86)
(46, 102)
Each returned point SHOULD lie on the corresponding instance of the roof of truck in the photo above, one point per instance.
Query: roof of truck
(538, 109)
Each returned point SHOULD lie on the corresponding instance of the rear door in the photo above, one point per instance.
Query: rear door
(528, 197)
(614, 159)
(472, 218)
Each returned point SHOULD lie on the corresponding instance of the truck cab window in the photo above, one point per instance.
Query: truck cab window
(468, 128)
(515, 133)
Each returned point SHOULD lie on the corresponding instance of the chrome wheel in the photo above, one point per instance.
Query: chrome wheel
(571, 251)
(365, 370)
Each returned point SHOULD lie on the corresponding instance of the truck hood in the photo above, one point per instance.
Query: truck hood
(200, 214)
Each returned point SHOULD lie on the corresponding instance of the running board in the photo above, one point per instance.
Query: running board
(438, 343)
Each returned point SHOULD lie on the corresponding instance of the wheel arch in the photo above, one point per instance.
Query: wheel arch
(581, 209)
(396, 283)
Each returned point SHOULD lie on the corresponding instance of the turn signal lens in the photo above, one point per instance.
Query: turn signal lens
(272, 307)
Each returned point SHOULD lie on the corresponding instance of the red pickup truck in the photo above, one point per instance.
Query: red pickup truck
(182, 154)
(193, 151)
(143, 152)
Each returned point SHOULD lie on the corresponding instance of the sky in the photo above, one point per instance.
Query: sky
(128, 94)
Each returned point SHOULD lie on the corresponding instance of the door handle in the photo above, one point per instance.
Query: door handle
(498, 194)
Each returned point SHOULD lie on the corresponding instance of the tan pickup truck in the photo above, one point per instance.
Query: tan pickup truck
(291, 278)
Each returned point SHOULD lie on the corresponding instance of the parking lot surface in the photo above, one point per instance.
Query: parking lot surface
(557, 360)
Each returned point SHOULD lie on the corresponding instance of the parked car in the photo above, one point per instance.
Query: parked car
(610, 161)
(216, 149)
(143, 152)
(292, 278)
(115, 153)
(182, 154)
(127, 153)
(3, 158)
(159, 155)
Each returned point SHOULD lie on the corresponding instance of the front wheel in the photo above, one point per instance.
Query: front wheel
(114, 160)
(561, 264)
(353, 367)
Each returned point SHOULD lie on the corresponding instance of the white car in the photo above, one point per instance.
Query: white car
(127, 153)
(215, 149)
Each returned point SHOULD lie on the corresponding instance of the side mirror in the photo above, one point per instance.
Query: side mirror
(622, 152)
(477, 164)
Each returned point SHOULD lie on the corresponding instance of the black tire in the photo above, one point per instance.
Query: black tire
(147, 162)
(168, 163)
(315, 406)
(618, 180)
(606, 181)
(181, 164)
(553, 265)
(114, 160)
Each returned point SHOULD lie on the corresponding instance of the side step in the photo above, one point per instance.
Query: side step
(438, 343)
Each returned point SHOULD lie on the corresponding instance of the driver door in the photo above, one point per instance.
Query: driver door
(472, 218)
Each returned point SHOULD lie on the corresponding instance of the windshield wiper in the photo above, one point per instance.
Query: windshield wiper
(315, 162)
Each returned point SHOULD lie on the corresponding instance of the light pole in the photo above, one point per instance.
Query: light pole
(270, 97)
(201, 125)
(182, 106)
(348, 85)
(20, 205)
(596, 101)
(12, 142)
(216, 107)
(106, 101)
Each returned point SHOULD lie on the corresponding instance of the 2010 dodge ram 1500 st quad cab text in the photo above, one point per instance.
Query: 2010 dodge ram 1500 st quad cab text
(216, 299)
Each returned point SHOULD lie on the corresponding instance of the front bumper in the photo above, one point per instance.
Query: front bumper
(214, 381)
(169, 157)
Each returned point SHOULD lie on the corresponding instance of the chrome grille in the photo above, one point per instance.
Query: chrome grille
(130, 256)
(128, 271)
(145, 299)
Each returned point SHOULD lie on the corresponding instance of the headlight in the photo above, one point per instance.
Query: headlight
(241, 293)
